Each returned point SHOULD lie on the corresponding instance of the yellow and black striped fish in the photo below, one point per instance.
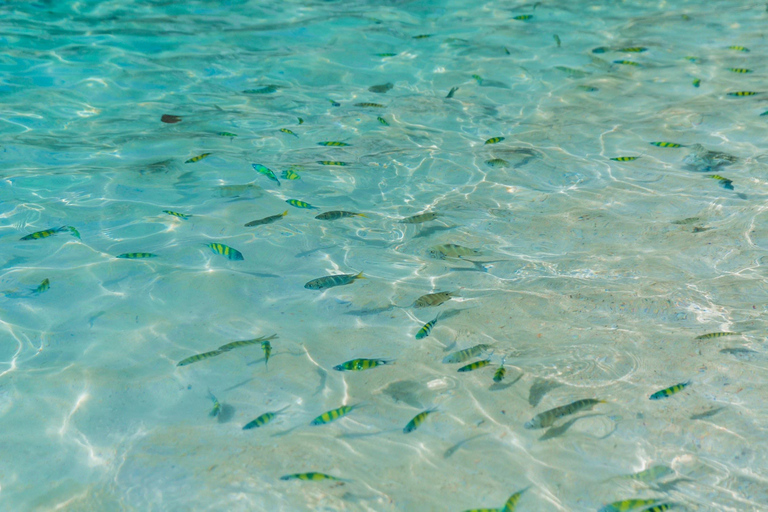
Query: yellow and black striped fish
(338, 214)
(417, 420)
(711, 335)
(245, 343)
(267, 348)
(290, 174)
(333, 415)
(661, 507)
(626, 62)
(511, 502)
(496, 162)
(197, 158)
(301, 204)
(627, 505)
(740, 70)
(468, 353)
(666, 392)
(498, 375)
(42, 287)
(382, 121)
(426, 329)
(423, 36)
(523, 17)
(177, 214)
(434, 299)
(738, 48)
(332, 162)
(227, 134)
(494, 140)
(44, 234)
(309, 476)
(418, 219)
(266, 220)
(199, 357)
(289, 132)
(216, 406)
(136, 255)
(547, 418)
(696, 82)
(371, 105)
(333, 143)
(226, 251)
(666, 144)
(740, 94)
(356, 365)
(625, 158)
(557, 40)
(261, 420)
(475, 366)
(633, 49)
(321, 283)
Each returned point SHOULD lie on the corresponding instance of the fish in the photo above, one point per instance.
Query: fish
(557, 39)
(511, 502)
(691, 59)
(246, 343)
(269, 89)
(652, 473)
(335, 103)
(266, 220)
(177, 214)
(419, 218)
(474, 366)
(451, 92)
(661, 507)
(333, 415)
(451, 251)
(427, 328)
(626, 505)
(199, 357)
(667, 144)
(625, 158)
(332, 162)
(321, 283)
(738, 48)
(696, 82)
(386, 54)
(371, 105)
(381, 89)
(167, 118)
(422, 36)
(309, 476)
(433, 299)
(724, 182)
(601, 49)
(626, 62)
(547, 418)
(523, 17)
(226, 251)
(711, 335)
(266, 346)
(355, 365)
(496, 162)
(666, 392)
(498, 375)
(42, 287)
(44, 234)
(633, 49)
(742, 93)
(216, 406)
(262, 420)
(338, 214)
(740, 70)
(468, 353)
(266, 172)
(136, 255)
(424, 232)
(575, 73)
(333, 143)
(197, 158)
(706, 414)
(226, 134)
(290, 174)
(75, 233)
(494, 140)
(383, 121)
(289, 132)
(417, 420)
(301, 204)
(301, 121)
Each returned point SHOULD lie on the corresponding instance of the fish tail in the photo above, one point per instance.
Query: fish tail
(284, 213)
(359, 276)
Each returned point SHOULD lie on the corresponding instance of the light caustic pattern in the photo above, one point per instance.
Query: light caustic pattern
(587, 181)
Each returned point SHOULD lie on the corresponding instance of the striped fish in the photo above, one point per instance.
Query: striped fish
(711, 335)
(547, 418)
(321, 283)
(417, 420)
(197, 158)
(333, 415)
(136, 255)
(226, 251)
(418, 219)
(309, 476)
(356, 365)
(199, 357)
(266, 220)
(333, 143)
(475, 366)
(467, 353)
(338, 214)
(667, 392)
(177, 214)
(301, 204)
(44, 234)
(262, 420)
(245, 343)
(494, 140)
(627, 505)
(266, 172)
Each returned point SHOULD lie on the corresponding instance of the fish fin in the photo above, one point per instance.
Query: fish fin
(360, 276)
(362, 215)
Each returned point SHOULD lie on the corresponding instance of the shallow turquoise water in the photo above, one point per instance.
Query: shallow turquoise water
(593, 279)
